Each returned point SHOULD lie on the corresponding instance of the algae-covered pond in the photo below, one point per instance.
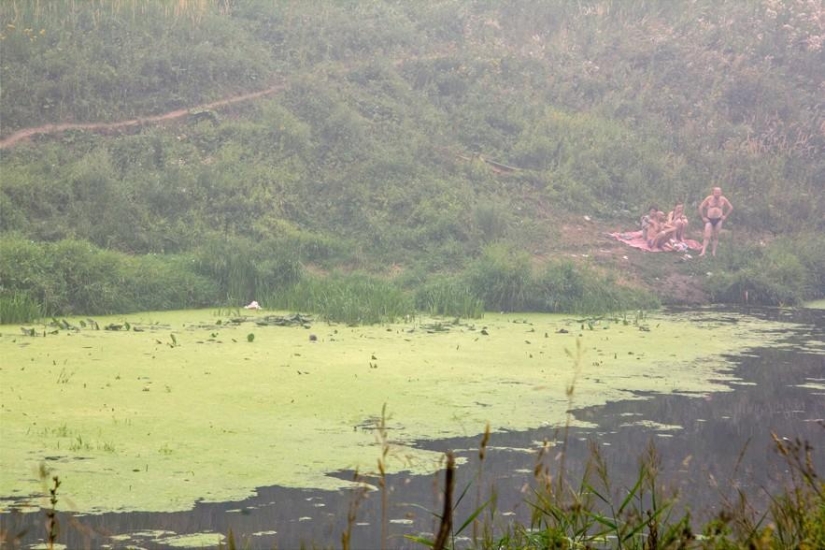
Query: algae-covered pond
(168, 413)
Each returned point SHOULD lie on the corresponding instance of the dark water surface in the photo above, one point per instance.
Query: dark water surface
(723, 444)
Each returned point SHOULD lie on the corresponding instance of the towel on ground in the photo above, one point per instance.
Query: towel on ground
(636, 239)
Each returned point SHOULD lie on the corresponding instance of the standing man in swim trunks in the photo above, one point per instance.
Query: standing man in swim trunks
(714, 210)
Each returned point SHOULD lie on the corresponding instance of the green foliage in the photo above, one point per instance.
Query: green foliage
(367, 160)
(787, 272)
(78, 48)
(565, 287)
(18, 307)
(809, 249)
(152, 283)
(244, 270)
(352, 299)
(594, 514)
(505, 280)
(73, 277)
(491, 221)
(501, 278)
(450, 297)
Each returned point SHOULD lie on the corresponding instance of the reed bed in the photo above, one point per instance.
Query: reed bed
(19, 307)
(350, 299)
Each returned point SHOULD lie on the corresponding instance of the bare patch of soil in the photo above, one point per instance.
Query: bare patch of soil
(585, 240)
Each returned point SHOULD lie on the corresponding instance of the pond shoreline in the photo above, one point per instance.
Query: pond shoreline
(614, 423)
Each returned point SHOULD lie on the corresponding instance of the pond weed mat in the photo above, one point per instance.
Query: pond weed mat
(166, 409)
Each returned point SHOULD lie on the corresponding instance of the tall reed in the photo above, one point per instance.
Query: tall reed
(351, 299)
(18, 307)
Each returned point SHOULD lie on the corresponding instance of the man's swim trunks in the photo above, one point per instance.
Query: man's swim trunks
(714, 221)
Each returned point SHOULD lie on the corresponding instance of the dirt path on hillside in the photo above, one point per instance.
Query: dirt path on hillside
(105, 127)
(579, 238)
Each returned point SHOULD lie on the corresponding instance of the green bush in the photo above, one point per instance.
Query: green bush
(809, 248)
(565, 287)
(74, 277)
(770, 275)
(157, 283)
(501, 278)
(491, 221)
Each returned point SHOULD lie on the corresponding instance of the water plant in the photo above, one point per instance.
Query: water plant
(405, 351)
(450, 297)
(352, 299)
(18, 307)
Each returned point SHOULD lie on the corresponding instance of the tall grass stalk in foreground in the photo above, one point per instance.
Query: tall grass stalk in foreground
(795, 516)
(358, 497)
(383, 440)
(569, 391)
(446, 526)
(482, 452)
(52, 523)
(558, 510)
(806, 494)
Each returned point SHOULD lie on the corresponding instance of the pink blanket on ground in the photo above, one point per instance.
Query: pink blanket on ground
(636, 240)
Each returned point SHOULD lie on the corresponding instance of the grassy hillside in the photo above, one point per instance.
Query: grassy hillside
(450, 144)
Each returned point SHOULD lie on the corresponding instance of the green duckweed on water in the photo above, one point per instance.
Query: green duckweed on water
(816, 304)
(197, 540)
(176, 407)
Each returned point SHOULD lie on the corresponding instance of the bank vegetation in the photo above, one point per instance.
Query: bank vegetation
(420, 151)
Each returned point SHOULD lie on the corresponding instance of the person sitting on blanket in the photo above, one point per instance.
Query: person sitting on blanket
(677, 219)
(653, 223)
(649, 218)
(659, 233)
(650, 226)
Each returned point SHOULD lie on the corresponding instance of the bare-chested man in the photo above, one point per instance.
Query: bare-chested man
(714, 210)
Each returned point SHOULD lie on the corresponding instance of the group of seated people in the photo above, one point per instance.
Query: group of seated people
(665, 232)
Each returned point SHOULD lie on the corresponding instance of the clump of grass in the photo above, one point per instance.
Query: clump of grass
(18, 307)
(565, 287)
(449, 297)
(799, 512)
(501, 277)
(351, 299)
(795, 516)
(595, 514)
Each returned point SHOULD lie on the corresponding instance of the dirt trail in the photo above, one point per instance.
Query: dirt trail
(26, 133)
(578, 238)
